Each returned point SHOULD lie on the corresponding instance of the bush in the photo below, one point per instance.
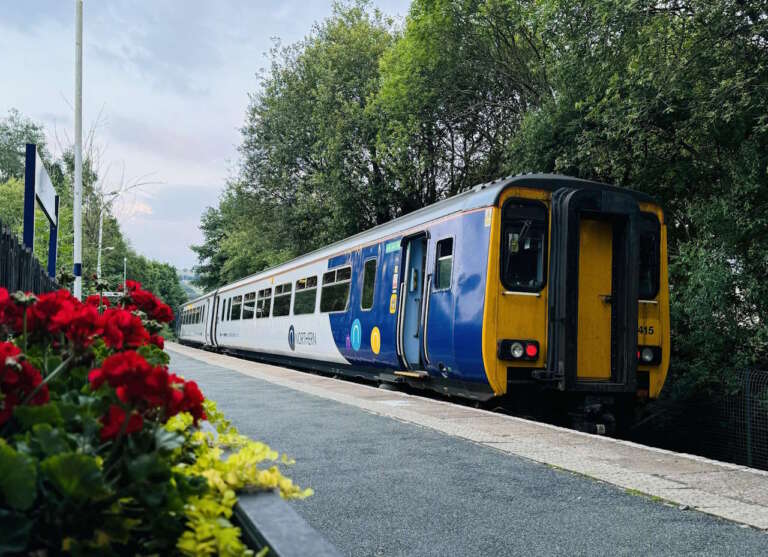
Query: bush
(100, 446)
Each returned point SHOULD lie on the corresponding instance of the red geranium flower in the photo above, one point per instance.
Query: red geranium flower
(18, 378)
(112, 423)
(51, 312)
(147, 387)
(157, 340)
(123, 329)
(93, 300)
(11, 315)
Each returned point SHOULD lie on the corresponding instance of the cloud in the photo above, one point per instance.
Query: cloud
(172, 79)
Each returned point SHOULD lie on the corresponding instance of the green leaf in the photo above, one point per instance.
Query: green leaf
(168, 440)
(149, 467)
(76, 476)
(154, 355)
(18, 477)
(14, 532)
(31, 415)
(47, 441)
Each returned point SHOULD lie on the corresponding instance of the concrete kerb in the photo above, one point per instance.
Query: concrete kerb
(658, 473)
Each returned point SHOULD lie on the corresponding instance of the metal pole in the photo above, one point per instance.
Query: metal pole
(125, 272)
(98, 251)
(78, 202)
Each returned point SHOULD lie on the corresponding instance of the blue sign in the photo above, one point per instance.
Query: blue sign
(356, 334)
(38, 187)
(292, 338)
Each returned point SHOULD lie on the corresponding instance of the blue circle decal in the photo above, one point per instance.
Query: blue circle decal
(292, 338)
(356, 334)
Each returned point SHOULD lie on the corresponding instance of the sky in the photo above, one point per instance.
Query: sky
(165, 90)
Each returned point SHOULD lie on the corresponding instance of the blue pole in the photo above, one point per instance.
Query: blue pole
(29, 197)
(53, 243)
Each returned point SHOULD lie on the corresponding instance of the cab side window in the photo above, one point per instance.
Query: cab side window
(523, 245)
(650, 241)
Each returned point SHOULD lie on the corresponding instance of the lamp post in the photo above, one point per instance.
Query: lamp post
(125, 272)
(78, 185)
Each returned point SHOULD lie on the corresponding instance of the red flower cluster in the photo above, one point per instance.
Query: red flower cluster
(145, 388)
(10, 314)
(59, 313)
(123, 329)
(17, 381)
(147, 302)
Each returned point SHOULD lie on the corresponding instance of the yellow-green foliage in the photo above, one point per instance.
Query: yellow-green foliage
(230, 462)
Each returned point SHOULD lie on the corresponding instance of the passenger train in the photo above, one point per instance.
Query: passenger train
(537, 280)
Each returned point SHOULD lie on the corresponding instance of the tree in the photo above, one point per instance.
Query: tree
(15, 132)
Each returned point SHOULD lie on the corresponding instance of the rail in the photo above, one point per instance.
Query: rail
(19, 270)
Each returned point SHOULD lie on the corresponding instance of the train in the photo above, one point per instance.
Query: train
(537, 281)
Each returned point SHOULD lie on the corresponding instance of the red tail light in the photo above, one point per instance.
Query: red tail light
(531, 350)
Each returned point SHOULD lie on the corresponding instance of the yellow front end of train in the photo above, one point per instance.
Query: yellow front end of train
(577, 296)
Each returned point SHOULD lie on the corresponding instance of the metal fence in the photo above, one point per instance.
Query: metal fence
(19, 270)
(729, 425)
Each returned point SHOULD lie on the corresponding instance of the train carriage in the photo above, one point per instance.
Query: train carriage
(538, 281)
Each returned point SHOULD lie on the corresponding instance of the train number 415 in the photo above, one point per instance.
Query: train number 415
(645, 330)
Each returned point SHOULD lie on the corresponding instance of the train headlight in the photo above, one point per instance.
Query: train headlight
(517, 350)
(649, 355)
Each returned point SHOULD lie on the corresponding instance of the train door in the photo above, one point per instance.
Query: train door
(593, 290)
(214, 320)
(411, 297)
(595, 309)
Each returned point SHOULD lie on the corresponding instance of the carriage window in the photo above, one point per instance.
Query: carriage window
(650, 235)
(444, 264)
(335, 294)
(263, 303)
(249, 302)
(306, 294)
(524, 243)
(236, 304)
(229, 309)
(369, 284)
(282, 300)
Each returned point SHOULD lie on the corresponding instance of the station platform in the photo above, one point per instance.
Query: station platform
(399, 474)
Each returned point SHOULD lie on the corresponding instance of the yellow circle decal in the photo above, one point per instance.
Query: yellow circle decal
(375, 340)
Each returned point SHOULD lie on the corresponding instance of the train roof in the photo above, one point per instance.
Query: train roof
(479, 196)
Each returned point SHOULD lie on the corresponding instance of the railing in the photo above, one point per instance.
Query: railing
(19, 270)
(731, 425)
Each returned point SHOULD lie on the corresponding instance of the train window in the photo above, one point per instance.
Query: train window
(229, 309)
(282, 300)
(249, 303)
(650, 239)
(335, 294)
(306, 294)
(523, 248)
(443, 264)
(263, 302)
(369, 284)
(236, 305)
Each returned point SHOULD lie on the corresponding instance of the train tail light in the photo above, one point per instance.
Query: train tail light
(518, 350)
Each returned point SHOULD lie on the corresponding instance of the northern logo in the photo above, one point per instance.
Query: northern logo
(292, 338)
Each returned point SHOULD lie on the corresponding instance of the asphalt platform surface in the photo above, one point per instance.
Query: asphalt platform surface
(385, 488)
